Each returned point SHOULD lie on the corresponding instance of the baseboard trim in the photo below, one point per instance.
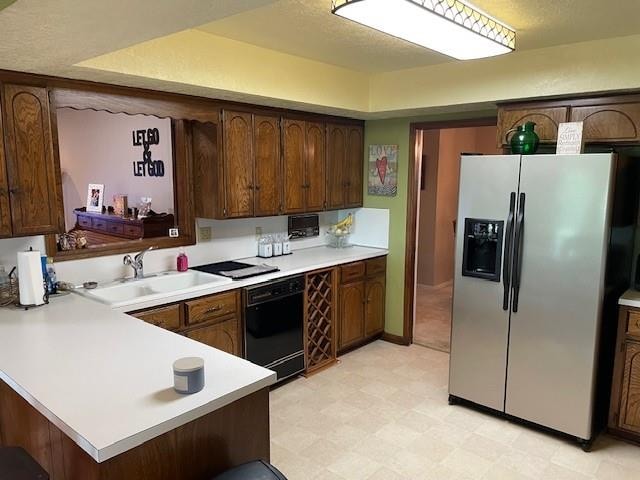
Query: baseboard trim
(397, 339)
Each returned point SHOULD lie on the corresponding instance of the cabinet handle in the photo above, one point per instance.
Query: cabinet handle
(250, 187)
(257, 187)
(213, 309)
(14, 191)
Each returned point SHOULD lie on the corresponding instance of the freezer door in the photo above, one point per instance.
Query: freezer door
(554, 334)
(480, 324)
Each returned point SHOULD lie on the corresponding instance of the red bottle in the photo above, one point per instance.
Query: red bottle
(182, 261)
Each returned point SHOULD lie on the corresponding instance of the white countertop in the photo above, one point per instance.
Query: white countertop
(630, 298)
(105, 378)
(299, 261)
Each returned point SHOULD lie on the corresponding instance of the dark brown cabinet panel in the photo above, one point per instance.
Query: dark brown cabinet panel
(268, 175)
(294, 159)
(223, 336)
(374, 307)
(238, 164)
(630, 393)
(33, 174)
(207, 170)
(361, 302)
(337, 167)
(546, 120)
(352, 300)
(355, 168)
(5, 212)
(315, 167)
(614, 123)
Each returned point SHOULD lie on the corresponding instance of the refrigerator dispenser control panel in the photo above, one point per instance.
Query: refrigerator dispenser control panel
(482, 253)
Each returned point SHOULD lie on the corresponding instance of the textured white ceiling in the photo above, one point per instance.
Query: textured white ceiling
(50, 36)
(307, 28)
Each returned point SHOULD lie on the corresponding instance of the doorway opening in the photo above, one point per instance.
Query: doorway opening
(439, 149)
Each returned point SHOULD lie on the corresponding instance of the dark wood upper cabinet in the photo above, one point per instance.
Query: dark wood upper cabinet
(5, 212)
(32, 170)
(293, 141)
(238, 164)
(355, 168)
(609, 122)
(546, 120)
(208, 188)
(315, 173)
(268, 191)
(337, 167)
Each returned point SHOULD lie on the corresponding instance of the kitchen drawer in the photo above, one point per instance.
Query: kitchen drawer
(84, 222)
(210, 308)
(132, 231)
(633, 322)
(352, 271)
(165, 317)
(376, 266)
(99, 224)
(115, 228)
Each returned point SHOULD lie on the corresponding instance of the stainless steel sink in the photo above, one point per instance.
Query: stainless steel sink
(129, 292)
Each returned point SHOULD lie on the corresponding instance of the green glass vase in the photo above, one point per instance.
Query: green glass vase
(525, 140)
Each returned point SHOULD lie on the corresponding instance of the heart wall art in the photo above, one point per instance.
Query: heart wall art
(383, 170)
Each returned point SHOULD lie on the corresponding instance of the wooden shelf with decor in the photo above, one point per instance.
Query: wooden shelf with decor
(126, 227)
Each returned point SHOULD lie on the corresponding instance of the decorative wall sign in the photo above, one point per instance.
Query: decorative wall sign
(570, 141)
(95, 197)
(383, 170)
(147, 166)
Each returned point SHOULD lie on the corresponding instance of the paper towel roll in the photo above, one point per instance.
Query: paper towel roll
(30, 278)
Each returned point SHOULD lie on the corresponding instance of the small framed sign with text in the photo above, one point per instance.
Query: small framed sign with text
(570, 141)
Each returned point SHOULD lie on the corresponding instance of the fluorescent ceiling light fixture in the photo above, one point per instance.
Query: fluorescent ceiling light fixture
(450, 27)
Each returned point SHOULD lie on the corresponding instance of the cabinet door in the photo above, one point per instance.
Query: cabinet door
(168, 317)
(34, 183)
(352, 301)
(294, 158)
(616, 122)
(223, 336)
(5, 213)
(630, 394)
(315, 167)
(238, 164)
(267, 200)
(374, 310)
(354, 167)
(546, 120)
(337, 167)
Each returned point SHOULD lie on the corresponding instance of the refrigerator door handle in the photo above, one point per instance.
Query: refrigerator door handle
(517, 252)
(506, 264)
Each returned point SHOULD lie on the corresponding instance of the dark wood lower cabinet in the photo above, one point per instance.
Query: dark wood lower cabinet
(198, 450)
(224, 335)
(624, 415)
(213, 320)
(361, 302)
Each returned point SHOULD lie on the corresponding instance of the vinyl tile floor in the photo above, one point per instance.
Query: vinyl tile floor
(382, 414)
(432, 326)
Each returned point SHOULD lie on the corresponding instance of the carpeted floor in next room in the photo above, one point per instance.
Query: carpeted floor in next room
(382, 414)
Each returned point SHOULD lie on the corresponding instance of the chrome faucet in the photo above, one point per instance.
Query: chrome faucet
(137, 263)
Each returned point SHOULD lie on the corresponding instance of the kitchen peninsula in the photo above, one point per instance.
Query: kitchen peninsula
(88, 393)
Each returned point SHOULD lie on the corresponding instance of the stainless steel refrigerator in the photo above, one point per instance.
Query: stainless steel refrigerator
(533, 234)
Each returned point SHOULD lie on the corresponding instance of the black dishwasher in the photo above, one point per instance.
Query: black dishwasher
(274, 317)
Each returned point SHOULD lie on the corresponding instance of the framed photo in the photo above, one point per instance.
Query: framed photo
(383, 170)
(95, 197)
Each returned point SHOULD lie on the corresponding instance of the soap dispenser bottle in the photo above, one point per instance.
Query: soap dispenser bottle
(182, 261)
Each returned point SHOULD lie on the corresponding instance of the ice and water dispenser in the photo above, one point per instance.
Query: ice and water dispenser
(482, 254)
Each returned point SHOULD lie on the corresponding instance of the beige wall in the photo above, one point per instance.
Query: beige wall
(439, 200)
(97, 147)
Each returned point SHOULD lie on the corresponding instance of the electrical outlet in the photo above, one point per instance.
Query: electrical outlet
(258, 231)
(205, 233)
